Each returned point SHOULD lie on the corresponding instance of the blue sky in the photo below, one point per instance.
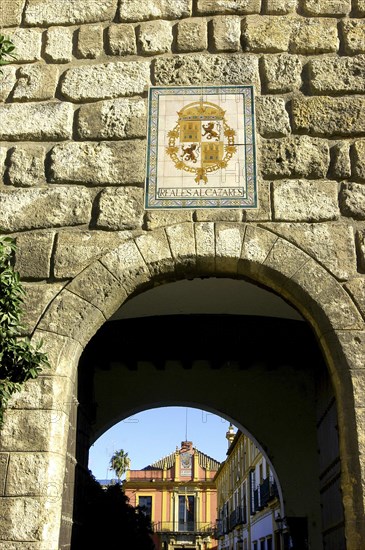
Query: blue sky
(152, 434)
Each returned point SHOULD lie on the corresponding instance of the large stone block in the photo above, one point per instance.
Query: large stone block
(281, 73)
(11, 13)
(272, 116)
(48, 12)
(35, 474)
(155, 37)
(167, 217)
(112, 119)
(331, 244)
(327, 7)
(33, 254)
(181, 239)
(36, 122)
(303, 200)
(314, 36)
(358, 155)
(135, 10)
(295, 156)
(192, 35)
(279, 7)
(239, 7)
(341, 165)
(89, 41)
(36, 82)
(352, 200)
(228, 246)
(255, 249)
(38, 297)
(127, 265)
(120, 208)
(27, 166)
(7, 81)
(356, 288)
(23, 519)
(337, 75)
(155, 250)
(59, 46)
(75, 250)
(342, 116)
(43, 208)
(102, 163)
(227, 33)
(360, 241)
(28, 44)
(359, 6)
(122, 39)
(266, 33)
(205, 246)
(106, 81)
(206, 69)
(354, 36)
(4, 460)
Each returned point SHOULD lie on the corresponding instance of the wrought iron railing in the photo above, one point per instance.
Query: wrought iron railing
(184, 527)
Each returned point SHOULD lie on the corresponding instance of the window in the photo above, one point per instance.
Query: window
(145, 504)
(186, 512)
(269, 543)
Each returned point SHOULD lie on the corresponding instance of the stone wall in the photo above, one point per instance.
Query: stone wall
(73, 136)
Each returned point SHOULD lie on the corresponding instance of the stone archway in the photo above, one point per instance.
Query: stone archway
(41, 413)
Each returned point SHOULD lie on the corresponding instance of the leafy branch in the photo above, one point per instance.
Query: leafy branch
(6, 51)
(19, 359)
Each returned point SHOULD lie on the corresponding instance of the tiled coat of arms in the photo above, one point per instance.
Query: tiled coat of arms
(201, 148)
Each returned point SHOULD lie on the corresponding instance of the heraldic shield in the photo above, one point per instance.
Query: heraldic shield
(201, 147)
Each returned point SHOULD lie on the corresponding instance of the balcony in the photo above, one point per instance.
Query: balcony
(190, 527)
(264, 493)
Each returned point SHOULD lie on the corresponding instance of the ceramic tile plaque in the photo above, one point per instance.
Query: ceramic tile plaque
(201, 148)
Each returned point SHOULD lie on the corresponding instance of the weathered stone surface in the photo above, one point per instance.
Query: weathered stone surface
(59, 45)
(38, 297)
(272, 117)
(27, 166)
(359, 6)
(358, 157)
(279, 7)
(33, 254)
(166, 217)
(314, 36)
(181, 238)
(329, 115)
(337, 75)
(308, 201)
(122, 39)
(156, 252)
(89, 41)
(11, 13)
(217, 69)
(35, 474)
(127, 265)
(47, 12)
(75, 250)
(283, 260)
(228, 246)
(7, 81)
(27, 43)
(205, 246)
(192, 35)
(43, 208)
(263, 212)
(341, 166)
(27, 122)
(14, 526)
(239, 7)
(135, 10)
(327, 7)
(295, 156)
(352, 200)
(255, 249)
(3, 155)
(106, 81)
(360, 241)
(120, 208)
(356, 288)
(227, 33)
(36, 82)
(266, 33)
(102, 163)
(4, 459)
(354, 35)
(99, 287)
(155, 37)
(113, 119)
(332, 245)
(206, 215)
(69, 315)
(281, 73)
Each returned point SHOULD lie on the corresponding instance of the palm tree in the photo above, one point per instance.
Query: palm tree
(120, 462)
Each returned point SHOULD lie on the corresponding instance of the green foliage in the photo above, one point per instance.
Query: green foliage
(6, 51)
(19, 360)
(120, 463)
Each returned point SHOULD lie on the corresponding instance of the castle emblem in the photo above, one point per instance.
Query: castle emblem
(201, 142)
